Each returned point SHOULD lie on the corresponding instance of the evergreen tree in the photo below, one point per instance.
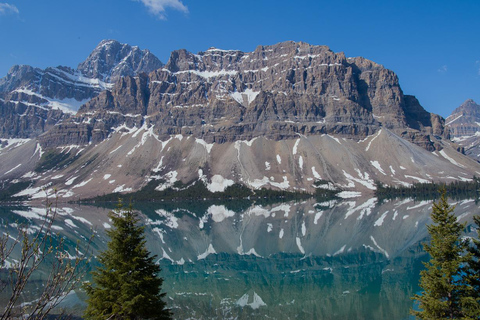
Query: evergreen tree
(471, 301)
(127, 285)
(443, 282)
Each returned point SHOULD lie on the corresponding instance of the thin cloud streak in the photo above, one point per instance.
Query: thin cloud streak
(158, 7)
(6, 8)
(443, 69)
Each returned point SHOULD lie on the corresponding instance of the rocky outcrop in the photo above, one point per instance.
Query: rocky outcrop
(464, 124)
(32, 100)
(276, 91)
(21, 120)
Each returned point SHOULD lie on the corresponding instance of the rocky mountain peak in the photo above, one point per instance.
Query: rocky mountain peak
(464, 124)
(469, 102)
(467, 112)
(469, 107)
(17, 76)
(181, 60)
(32, 100)
(111, 60)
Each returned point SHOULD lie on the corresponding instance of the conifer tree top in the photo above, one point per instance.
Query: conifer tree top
(127, 285)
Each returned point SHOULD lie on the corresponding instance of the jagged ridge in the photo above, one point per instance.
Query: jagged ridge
(276, 91)
(32, 100)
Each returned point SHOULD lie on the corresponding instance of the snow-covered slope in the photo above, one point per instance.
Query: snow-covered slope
(129, 158)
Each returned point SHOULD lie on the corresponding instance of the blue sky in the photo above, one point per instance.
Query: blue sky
(433, 46)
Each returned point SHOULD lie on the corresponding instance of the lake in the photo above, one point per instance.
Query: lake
(350, 259)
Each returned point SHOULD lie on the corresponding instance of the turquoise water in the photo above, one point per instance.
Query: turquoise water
(351, 259)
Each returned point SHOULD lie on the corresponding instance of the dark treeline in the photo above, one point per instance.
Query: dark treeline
(8, 191)
(428, 191)
(54, 159)
(198, 191)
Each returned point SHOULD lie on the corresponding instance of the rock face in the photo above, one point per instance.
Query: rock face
(112, 60)
(464, 124)
(289, 116)
(32, 100)
(276, 91)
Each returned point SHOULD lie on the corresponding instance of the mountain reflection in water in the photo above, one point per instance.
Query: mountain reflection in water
(352, 259)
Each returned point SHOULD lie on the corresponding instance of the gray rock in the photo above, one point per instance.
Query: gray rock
(277, 91)
(32, 100)
(464, 126)
(112, 60)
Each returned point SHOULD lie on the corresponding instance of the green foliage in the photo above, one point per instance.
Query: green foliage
(280, 194)
(443, 283)
(198, 191)
(8, 191)
(471, 303)
(127, 285)
(54, 159)
(238, 191)
(424, 191)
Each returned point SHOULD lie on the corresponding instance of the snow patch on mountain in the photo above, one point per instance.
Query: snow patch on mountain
(259, 183)
(364, 179)
(208, 146)
(248, 95)
(219, 183)
(377, 166)
(295, 146)
(446, 156)
(210, 74)
(171, 178)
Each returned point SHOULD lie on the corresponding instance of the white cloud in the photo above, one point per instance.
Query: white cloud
(157, 7)
(443, 69)
(8, 8)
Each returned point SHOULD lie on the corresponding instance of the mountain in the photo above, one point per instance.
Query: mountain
(112, 60)
(276, 92)
(287, 116)
(464, 124)
(32, 100)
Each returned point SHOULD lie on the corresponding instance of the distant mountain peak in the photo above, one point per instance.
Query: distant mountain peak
(469, 103)
(106, 42)
(28, 95)
(469, 107)
(111, 60)
(464, 124)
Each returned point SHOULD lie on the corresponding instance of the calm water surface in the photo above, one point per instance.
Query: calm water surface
(352, 259)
